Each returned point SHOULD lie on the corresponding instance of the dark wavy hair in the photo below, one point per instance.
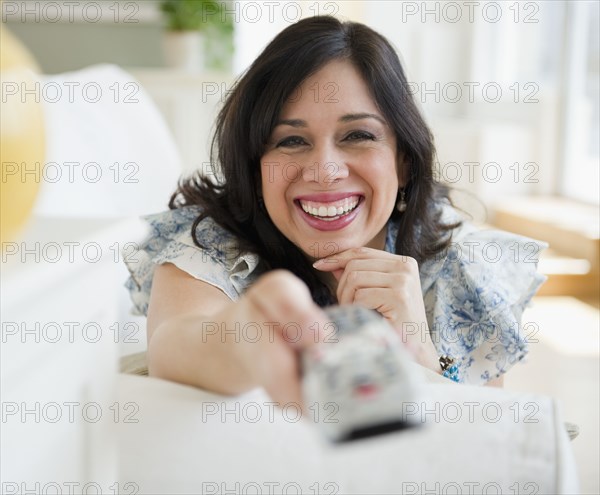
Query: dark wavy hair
(252, 110)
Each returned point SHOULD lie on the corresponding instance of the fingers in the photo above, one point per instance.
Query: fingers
(285, 303)
(282, 381)
(341, 259)
(351, 282)
(388, 283)
(360, 274)
(377, 280)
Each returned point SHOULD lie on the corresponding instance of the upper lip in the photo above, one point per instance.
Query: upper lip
(327, 197)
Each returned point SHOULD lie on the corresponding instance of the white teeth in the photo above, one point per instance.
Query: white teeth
(330, 212)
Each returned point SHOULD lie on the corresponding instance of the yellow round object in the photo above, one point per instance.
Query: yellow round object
(22, 144)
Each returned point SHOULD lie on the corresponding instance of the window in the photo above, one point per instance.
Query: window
(580, 101)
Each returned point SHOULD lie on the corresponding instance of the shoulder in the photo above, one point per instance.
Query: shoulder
(504, 261)
(475, 292)
(218, 260)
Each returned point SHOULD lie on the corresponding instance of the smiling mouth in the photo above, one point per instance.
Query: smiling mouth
(329, 211)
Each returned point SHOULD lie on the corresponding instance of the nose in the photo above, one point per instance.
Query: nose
(326, 166)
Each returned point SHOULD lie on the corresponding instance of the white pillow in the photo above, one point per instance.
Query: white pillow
(109, 152)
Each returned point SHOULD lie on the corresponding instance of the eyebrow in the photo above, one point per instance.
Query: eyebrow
(360, 116)
(350, 117)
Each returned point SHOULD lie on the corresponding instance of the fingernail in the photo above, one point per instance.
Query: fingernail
(318, 262)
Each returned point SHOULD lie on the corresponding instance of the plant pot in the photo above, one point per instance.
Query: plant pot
(184, 50)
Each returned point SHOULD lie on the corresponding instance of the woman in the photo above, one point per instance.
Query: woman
(326, 196)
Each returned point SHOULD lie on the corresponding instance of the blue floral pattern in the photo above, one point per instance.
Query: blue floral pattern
(170, 240)
(474, 292)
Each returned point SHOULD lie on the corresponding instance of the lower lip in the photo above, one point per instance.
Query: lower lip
(337, 224)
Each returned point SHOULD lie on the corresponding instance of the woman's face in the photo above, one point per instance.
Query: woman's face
(330, 172)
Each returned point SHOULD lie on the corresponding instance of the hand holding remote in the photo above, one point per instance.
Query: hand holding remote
(361, 376)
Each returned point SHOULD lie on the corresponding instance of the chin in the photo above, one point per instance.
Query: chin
(321, 248)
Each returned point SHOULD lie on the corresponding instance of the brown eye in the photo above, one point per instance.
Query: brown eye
(360, 136)
(291, 142)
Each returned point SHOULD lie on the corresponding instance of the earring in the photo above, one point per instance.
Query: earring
(401, 204)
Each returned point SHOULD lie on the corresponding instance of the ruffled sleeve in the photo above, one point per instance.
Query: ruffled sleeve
(475, 294)
(220, 263)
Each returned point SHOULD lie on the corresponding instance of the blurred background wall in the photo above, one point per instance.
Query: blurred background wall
(520, 80)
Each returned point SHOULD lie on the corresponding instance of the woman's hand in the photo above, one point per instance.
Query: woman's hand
(199, 337)
(281, 319)
(389, 284)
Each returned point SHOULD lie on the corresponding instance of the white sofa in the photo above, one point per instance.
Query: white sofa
(472, 440)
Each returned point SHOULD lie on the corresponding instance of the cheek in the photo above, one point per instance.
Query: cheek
(266, 173)
(274, 188)
(382, 173)
(278, 174)
(267, 178)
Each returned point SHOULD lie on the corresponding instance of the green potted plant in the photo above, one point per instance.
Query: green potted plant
(188, 23)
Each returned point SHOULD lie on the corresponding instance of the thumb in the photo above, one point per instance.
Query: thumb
(285, 302)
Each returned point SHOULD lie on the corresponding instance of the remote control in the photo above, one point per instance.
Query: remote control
(359, 382)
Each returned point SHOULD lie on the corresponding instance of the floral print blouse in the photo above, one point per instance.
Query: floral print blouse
(475, 291)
